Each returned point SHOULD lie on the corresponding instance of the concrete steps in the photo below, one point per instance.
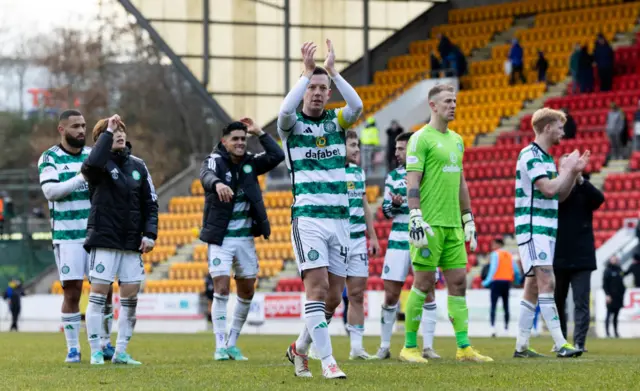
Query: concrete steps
(504, 37)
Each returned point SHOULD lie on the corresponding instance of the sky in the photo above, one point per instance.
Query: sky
(32, 17)
(23, 19)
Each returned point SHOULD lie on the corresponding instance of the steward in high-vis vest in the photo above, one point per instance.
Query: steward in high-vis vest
(503, 271)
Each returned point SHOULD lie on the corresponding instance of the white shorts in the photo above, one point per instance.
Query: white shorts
(72, 261)
(106, 264)
(538, 251)
(236, 253)
(358, 265)
(321, 243)
(397, 264)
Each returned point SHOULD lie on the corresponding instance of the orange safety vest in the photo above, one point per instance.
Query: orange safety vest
(504, 272)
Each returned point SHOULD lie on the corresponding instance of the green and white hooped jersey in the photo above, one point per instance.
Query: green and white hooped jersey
(69, 215)
(315, 154)
(396, 184)
(535, 214)
(357, 223)
(240, 224)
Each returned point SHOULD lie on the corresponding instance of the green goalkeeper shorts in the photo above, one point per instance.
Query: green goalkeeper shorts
(445, 250)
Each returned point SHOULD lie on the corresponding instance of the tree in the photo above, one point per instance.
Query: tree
(116, 69)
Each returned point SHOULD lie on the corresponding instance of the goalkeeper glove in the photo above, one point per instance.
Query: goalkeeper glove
(470, 234)
(418, 229)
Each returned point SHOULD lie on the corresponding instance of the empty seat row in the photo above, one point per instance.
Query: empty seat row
(592, 15)
(472, 29)
(177, 237)
(627, 97)
(520, 8)
(502, 80)
(622, 182)
(517, 93)
(522, 138)
(582, 29)
(159, 254)
(169, 221)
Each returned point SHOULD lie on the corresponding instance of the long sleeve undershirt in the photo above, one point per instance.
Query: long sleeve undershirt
(54, 191)
(350, 113)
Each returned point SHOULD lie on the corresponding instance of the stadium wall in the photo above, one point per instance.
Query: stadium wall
(281, 313)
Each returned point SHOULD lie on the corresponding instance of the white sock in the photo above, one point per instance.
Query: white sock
(429, 320)
(239, 317)
(71, 326)
(107, 324)
(126, 323)
(525, 323)
(314, 319)
(355, 335)
(94, 320)
(550, 315)
(219, 319)
(388, 318)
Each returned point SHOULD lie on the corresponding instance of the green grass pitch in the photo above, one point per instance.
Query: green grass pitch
(33, 361)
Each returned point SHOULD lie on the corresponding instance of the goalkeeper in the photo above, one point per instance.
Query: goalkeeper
(440, 221)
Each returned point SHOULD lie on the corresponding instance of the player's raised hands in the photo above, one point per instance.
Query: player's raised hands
(330, 59)
(308, 51)
(114, 122)
(583, 161)
(252, 127)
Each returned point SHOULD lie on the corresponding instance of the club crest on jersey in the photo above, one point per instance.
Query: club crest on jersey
(358, 176)
(313, 255)
(136, 175)
(329, 127)
(247, 169)
(321, 142)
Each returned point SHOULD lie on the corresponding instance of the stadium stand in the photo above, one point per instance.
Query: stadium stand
(486, 99)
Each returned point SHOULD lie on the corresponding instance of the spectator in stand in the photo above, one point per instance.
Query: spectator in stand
(542, 65)
(604, 58)
(436, 65)
(570, 127)
(613, 285)
(634, 270)
(615, 127)
(444, 46)
(575, 256)
(393, 131)
(585, 70)
(574, 65)
(517, 65)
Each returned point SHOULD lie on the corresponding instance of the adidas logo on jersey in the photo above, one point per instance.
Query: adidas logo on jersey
(308, 130)
(65, 168)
